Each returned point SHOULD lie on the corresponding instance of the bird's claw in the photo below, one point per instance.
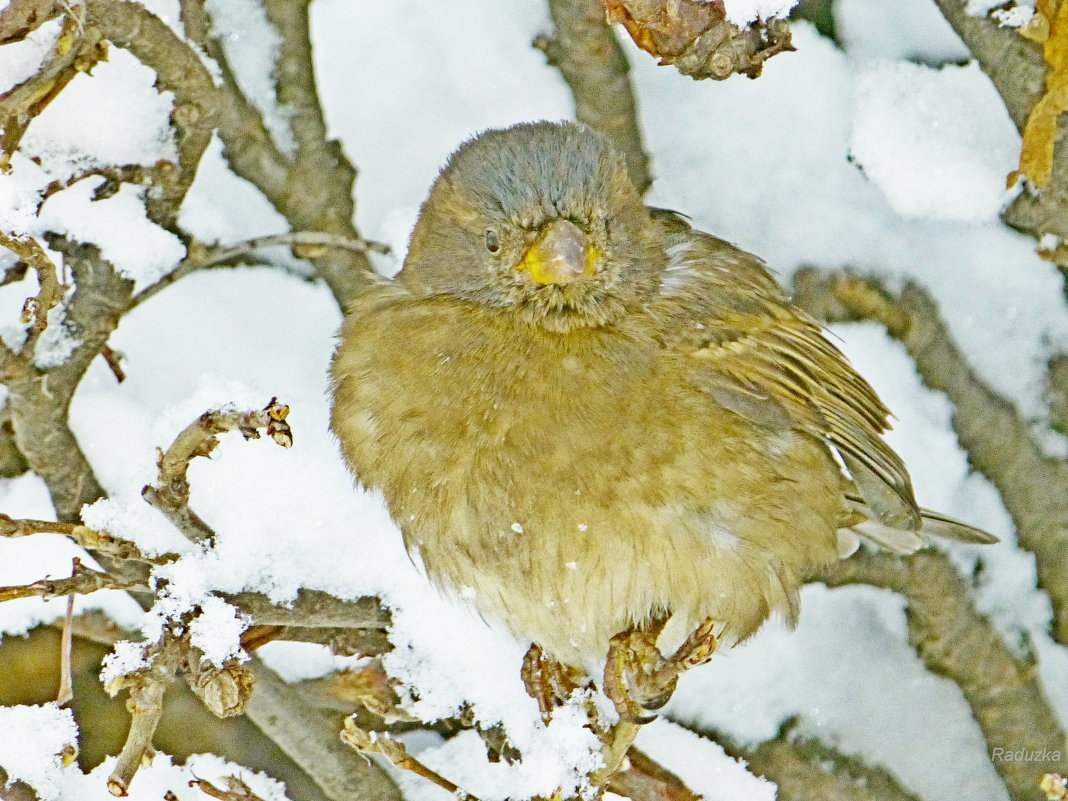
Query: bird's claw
(547, 681)
(638, 679)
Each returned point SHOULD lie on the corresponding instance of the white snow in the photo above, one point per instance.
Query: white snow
(913, 29)
(1014, 16)
(917, 135)
(743, 12)
(702, 764)
(37, 760)
(216, 630)
(137, 248)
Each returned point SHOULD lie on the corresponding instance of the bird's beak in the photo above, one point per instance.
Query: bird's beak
(561, 254)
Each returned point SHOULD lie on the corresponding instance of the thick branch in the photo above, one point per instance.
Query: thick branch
(40, 399)
(589, 57)
(43, 435)
(955, 641)
(806, 769)
(1033, 486)
(311, 739)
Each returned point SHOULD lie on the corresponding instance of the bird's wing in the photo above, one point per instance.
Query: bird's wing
(769, 362)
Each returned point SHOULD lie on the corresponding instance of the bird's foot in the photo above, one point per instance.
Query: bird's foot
(639, 680)
(547, 681)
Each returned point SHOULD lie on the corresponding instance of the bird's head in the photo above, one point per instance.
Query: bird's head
(540, 220)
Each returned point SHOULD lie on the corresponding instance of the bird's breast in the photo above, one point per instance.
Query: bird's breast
(569, 482)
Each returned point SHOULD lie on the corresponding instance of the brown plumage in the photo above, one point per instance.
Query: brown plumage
(590, 415)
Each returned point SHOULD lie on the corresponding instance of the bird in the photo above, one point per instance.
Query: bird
(602, 425)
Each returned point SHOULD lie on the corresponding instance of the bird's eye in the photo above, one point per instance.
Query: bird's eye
(493, 242)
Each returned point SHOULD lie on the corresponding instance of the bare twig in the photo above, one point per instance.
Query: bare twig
(374, 742)
(171, 493)
(114, 177)
(35, 310)
(146, 707)
(955, 641)
(305, 244)
(236, 789)
(66, 682)
(589, 57)
(84, 581)
(113, 359)
(88, 538)
(1033, 486)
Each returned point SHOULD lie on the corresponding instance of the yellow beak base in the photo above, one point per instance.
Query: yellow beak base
(560, 255)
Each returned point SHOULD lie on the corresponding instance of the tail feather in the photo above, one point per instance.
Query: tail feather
(905, 540)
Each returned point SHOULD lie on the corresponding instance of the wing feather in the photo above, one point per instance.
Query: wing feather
(768, 361)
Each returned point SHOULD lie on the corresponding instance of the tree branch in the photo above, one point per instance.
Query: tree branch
(955, 641)
(806, 769)
(1033, 486)
(313, 191)
(585, 50)
(1018, 71)
(311, 739)
(179, 70)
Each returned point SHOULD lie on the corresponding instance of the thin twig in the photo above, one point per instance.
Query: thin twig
(76, 50)
(84, 581)
(66, 682)
(306, 244)
(171, 492)
(88, 538)
(375, 742)
(236, 789)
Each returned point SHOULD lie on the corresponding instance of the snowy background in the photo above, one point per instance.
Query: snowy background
(867, 157)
